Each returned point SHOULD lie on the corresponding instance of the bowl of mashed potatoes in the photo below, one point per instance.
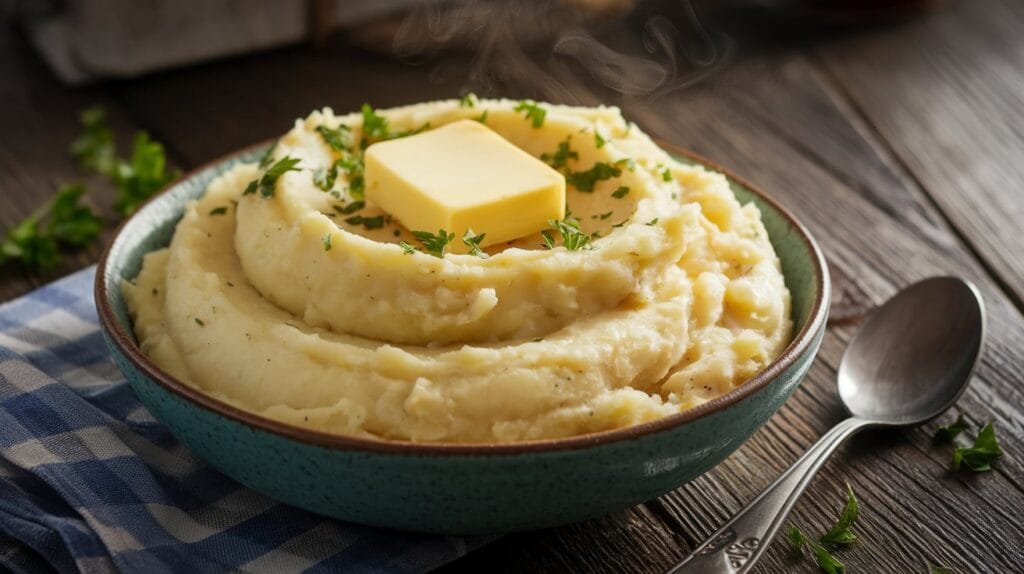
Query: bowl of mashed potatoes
(463, 316)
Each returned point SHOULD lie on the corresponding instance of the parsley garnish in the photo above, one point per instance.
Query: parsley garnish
(137, 180)
(468, 101)
(353, 164)
(949, 432)
(606, 215)
(598, 140)
(483, 117)
(980, 456)
(621, 192)
(327, 242)
(375, 127)
(339, 138)
(572, 238)
(268, 156)
(406, 248)
(473, 242)
(199, 322)
(434, 244)
(219, 210)
(350, 208)
(268, 180)
(585, 180)
(324, 178)
(561, 156)
(61, 221)
(94, 148)
(534, 112)
(367, 222)
(838, 536)
(666, 174)
(652, 222)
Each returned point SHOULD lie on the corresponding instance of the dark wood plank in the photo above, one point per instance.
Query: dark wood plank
(38, 120)
(947, 93)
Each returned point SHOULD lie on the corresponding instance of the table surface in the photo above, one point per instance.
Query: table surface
(901, 146)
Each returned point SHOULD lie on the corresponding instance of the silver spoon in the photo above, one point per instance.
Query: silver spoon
(909, 363)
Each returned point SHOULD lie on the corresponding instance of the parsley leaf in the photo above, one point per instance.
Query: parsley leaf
(598, 140)
(468, 101)
(980, 456)
(549, 242)
(94, 148)
(324, 178)
(652, 222)
(534, 113)
(950, 431)
(350, 208)
(139, 179)
(265, 183)
(561, 156)
(219, 210)
(586, 180)
(62, 221)
(406, 248)
(327, 242)
(483, 117)
(375, 127)
(572, 238)
(473, 242)
(353, 165)
(338, 138)
(434, 244)
(840, 534)
(621, 192)
(367, 222)
(666, 173)
(936, 569)
(268, 156)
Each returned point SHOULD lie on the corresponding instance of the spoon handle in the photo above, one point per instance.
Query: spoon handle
(737, 545)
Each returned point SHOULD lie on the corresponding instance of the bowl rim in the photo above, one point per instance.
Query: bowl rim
(799, 344)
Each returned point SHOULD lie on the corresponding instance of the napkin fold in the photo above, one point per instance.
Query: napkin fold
(90, 481)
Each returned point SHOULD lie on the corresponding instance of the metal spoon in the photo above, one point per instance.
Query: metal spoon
(909, 363)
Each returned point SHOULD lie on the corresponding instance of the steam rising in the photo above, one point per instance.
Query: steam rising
(566, 51)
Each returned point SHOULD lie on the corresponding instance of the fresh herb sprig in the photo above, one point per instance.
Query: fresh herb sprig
(267, 181)
(63, 221)
(94, 148)
(840, 535)
(434, 244)
(561, 156)
(586, 180)
(473, 241)
(339, 138)
(468, 101)
(952, 430)
(573, 238)
(980, 456)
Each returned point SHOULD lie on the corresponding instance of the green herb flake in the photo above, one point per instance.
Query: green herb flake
(324, 178)
(266, 183)
(406, 248)
(268, 156)
(952, 430)
(219, 210)
(63, 221)
(473, 242)
(549, 242)
(561, 156)
(94, 148)
(621, 192)
(351, 208)
(145, 174)
(367, 222)
(606, 215)
(586, 180)
(339, 138)
(482, 118)
(327, 242)
(199, 322)
(652, 222)
(534, 113)
(434, 244)
(936, 569)
(353, 165)
(573, 238)
(598, 140)
(468, 101)
(840, 534)
(980, 456)
(375, 127)
(666, 173)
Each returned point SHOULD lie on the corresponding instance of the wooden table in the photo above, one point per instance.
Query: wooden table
(901, 146)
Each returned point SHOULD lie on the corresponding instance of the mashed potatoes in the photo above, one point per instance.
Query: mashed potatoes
(299, 302)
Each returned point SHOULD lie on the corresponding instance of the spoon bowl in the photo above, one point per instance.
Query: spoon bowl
(912, 358)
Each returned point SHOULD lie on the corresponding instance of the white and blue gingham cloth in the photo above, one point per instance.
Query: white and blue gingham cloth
(90, 482)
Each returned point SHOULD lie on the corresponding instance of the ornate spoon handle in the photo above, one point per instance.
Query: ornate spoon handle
(737, 545)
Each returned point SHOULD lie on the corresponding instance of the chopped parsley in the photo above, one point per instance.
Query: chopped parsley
(606, 215)
(482, 118)
(367, 222)
(473, 242)
(199, 322)
(572, 238)
(219, 210)
(468, 101)
(666, 173)
(324, 178)
(266, 183)
(952, 430)
(561, 156)
(598, 140)
(375, 127)
(339, 138)
(406, 248)
(652, 222)
(353, 165)
(350, 208)
(36, 241)
(434, 244)
(586, 180)
(549, 242)
(327, 242)
(838, 536)
(534, 113)
(621, 192)
(268, 156)
(979, 457)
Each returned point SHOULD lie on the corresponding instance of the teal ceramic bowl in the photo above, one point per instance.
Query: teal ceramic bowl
(455, 488)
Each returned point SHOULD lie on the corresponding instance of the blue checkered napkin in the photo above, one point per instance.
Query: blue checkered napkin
(90, 481)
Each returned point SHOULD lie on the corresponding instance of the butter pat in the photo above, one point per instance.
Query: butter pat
(463, 176)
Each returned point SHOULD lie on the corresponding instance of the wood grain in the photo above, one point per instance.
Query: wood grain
(789, 119)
